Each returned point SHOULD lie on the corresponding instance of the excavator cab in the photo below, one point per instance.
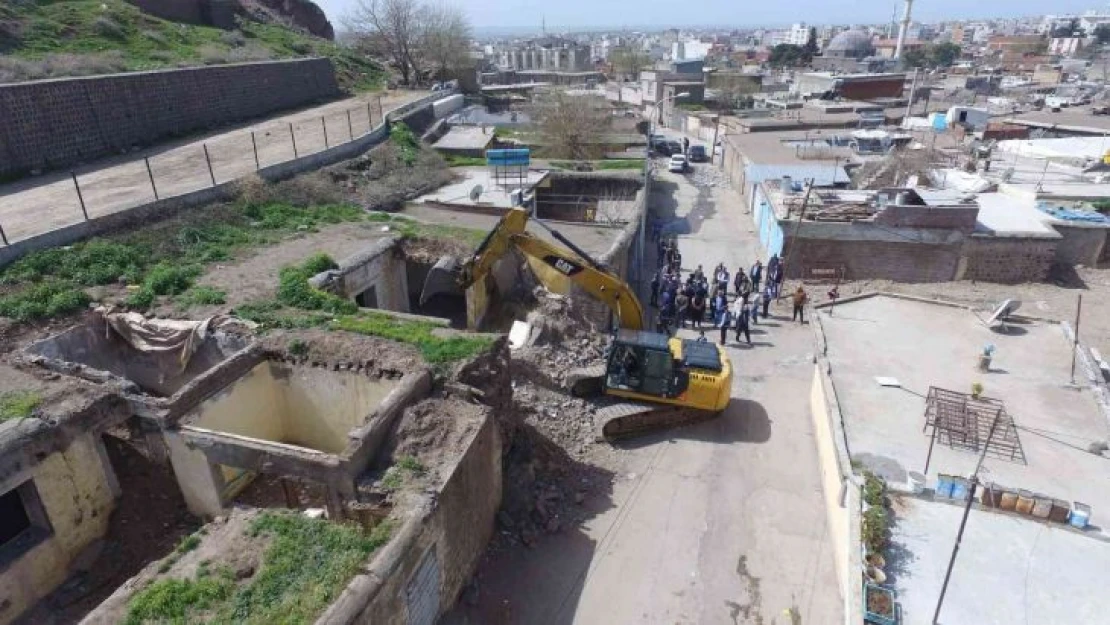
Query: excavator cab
(656, 367)
(642, 363)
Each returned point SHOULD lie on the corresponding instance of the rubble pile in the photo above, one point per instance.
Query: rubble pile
(709, 177)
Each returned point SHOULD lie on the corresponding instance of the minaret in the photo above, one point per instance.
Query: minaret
(902, 31)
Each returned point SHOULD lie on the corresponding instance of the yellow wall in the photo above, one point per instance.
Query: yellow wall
(249, 407)
(312, 408)
(321, 407)
(78, 500)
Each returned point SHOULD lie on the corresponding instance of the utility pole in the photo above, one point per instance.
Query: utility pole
(974, 482)
(1075, 344)
(713, 148)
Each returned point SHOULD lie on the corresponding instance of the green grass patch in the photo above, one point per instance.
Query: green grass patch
(113, 35)
(411, 464)
(18, 404)
(294, 290)
(202, 296)
(605, 165)
(162, 261)
(454, 160)
(620, 163)
(433, 348)
(306, 565)
(188, 544)
(407, 142)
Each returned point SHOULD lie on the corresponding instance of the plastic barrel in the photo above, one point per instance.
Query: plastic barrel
(1024, 502)
(1060, 511)
(944, 485)
(1080, 515)
(959, 488)
(1008, 500)
(1042, 506)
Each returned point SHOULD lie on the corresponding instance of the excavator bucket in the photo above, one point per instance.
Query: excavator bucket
(442, 278)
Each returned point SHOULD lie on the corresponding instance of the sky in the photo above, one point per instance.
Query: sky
(487, 15)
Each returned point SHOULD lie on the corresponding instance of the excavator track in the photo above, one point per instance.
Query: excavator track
(633, 418)
(628, 418)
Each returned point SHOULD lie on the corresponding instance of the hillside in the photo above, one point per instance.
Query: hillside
(49, 39)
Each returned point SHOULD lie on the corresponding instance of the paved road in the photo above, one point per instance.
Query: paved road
(720, 522)
(43, 203)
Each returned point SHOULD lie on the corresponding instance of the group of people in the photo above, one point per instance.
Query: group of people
(703, 298)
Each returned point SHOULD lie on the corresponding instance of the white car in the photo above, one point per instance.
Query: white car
(678, 164)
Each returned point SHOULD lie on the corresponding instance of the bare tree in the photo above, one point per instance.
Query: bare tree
(628, 61)
(445, 40)
(392, 29)
(570, 126)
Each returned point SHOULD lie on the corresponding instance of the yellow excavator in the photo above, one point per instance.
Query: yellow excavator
(662, 380)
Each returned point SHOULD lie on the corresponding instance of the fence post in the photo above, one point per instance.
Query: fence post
(254, 144)
(150, 174)
(293, 136)
(208, 159)
(350, 127)
(369, 117)
(381, 113)
(80, 198)
(324, 125)
(4, 236)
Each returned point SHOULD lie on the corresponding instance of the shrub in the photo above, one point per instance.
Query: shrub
(233, 38)
(874, 529)
(157, 38)
(48, 299)
(873, 489)
(402, 137)
(108, 27)
(294, 290)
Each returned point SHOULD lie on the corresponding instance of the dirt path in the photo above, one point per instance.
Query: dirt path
(40, 204)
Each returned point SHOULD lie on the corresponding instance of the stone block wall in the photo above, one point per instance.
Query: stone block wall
(1007, 261)
(1080, 245)
(57, 123)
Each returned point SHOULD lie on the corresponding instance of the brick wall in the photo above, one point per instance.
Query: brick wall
(1007, 261)
(56, 123)
(863, 260)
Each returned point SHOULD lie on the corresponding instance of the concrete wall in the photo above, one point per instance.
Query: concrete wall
(381, 266)
(76, 488)
(1007, 260)
(56, 123)
(453, 534)
(840, 489)
(309, 407)
(1080, 245)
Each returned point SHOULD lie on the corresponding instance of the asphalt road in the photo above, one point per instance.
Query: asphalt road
(719, 522)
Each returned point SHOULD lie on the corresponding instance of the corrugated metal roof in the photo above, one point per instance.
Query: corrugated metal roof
(823, 175)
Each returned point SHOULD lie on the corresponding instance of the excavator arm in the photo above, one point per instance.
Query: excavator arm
(576, 266)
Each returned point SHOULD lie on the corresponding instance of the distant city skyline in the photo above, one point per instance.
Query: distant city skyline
(493, 17)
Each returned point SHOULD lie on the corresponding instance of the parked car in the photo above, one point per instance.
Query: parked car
(659, 145)
(675, 147)
(698, 154)
(678, 164)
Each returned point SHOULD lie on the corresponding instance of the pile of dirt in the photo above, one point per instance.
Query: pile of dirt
(436, 432)
(343, 349)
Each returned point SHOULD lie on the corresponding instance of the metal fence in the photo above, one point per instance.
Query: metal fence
(160, 174)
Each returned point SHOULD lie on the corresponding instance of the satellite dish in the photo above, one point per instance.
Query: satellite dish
(1004, 310)
(476, 193)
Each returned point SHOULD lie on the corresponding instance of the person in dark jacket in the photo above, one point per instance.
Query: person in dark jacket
(756, 275)
(724, 322)
(654, 290)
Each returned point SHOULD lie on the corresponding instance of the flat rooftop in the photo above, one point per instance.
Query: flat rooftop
(1079, 121)
(465, 138)
(495, 192)
(1008, 216)
(1009, 570)
(782, 148)
(924, 345)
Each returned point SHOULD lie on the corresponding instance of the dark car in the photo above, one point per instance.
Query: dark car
(674, 147)
(698, 154)
(660, 145)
